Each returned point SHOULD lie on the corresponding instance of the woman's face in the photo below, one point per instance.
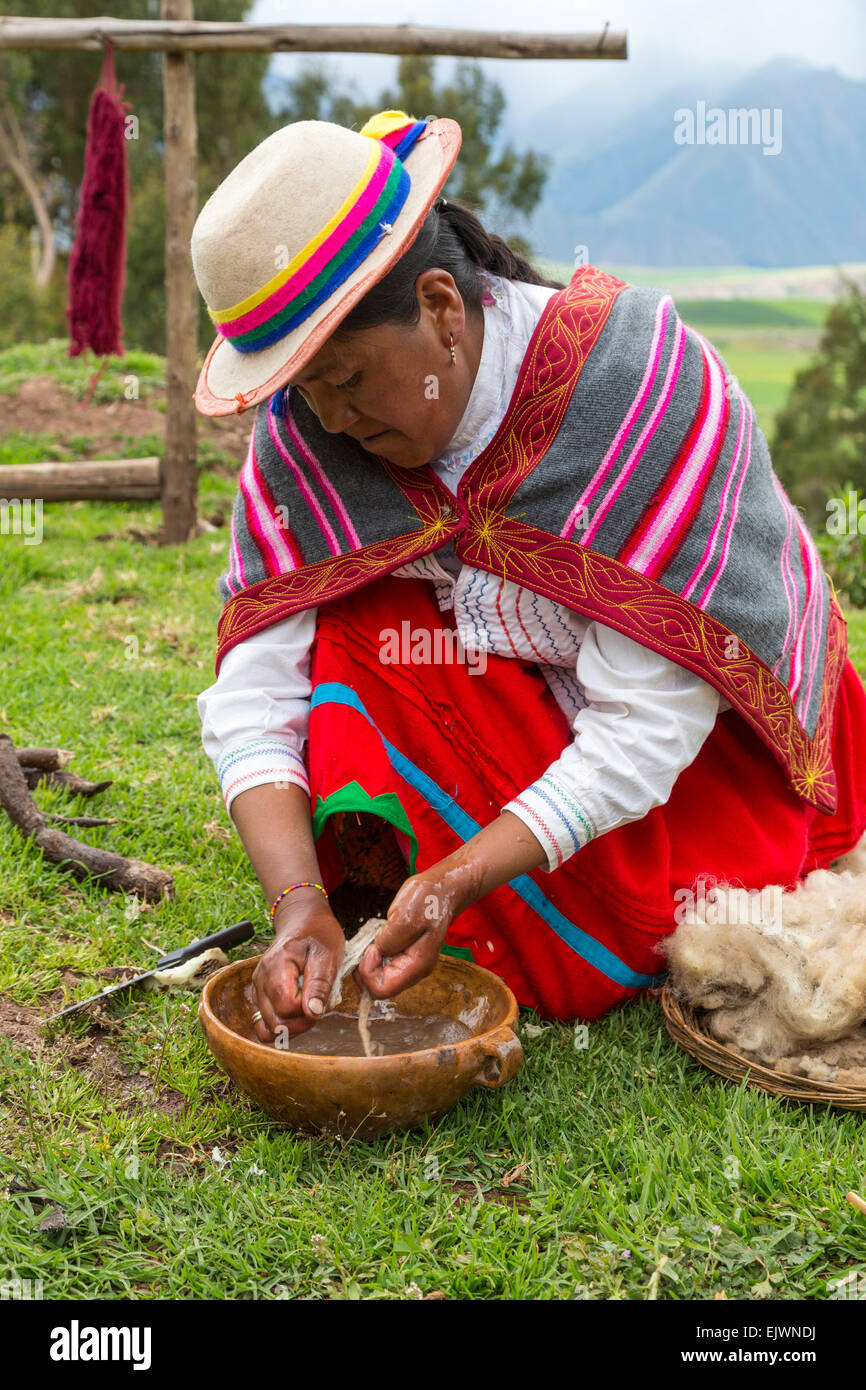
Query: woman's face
(394, 388)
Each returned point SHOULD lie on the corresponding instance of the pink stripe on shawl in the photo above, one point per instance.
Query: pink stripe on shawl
(236, 578)
(692, 471)
(304, 488)
(814, 596)
(788, 579)
(329, 248)
(278, 552)
(634, 410)
(324, 482)
(735, 507)
(797, 657)
(723, 504)
(646, 434)
(814, 634)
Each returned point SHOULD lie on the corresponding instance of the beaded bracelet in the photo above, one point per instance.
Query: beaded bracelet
(286, 892)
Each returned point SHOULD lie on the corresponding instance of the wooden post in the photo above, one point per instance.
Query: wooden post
(180, 469)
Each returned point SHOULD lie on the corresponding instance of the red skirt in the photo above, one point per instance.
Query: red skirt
(408, 761)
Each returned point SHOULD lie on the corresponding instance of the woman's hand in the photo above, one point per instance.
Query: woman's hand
(310, 943)
(407, 947)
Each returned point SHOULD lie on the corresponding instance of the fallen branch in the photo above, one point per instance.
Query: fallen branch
(50, 759)
(85, 861)
(67, 781)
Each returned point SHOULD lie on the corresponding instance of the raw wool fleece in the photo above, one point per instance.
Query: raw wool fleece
(778, 987)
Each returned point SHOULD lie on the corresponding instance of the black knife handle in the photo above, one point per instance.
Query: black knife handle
(225, 939)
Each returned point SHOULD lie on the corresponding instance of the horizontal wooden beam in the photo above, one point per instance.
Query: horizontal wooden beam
(202, 37)
(107, 480)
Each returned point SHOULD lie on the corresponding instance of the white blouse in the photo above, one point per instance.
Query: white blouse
(638, 719)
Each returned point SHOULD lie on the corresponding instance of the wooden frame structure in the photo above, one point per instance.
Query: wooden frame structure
(179, 37)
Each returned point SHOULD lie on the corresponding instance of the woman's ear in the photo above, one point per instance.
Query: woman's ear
(441, 301)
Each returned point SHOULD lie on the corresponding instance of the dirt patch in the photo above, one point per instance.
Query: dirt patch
(94, 1055)
(467, 1194)
(41, 407)
(20, 1024)
(131, 1091)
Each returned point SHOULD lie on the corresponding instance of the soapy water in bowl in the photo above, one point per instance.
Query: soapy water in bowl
(337, 1034)
(377, 1030)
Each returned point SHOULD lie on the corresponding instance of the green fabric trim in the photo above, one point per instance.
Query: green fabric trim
(462, 951)
(352, 797)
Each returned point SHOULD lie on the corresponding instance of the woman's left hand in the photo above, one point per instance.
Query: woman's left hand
(407, 947)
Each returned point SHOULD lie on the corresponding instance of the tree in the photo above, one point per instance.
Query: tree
(502, 185)
(820, 439)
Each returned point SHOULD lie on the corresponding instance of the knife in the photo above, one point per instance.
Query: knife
(229, 936)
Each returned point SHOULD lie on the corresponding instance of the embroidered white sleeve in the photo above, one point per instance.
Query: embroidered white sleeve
(646, 721)
(255, 716)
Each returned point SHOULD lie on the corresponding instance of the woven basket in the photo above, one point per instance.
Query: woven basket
(686, 1026)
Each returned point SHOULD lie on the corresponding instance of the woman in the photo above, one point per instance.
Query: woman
(514, 600)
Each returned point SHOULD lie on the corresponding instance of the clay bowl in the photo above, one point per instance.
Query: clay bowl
(365, 1096)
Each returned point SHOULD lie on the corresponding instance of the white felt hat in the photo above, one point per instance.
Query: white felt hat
(297, 233)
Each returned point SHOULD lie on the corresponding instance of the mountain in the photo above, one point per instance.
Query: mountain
(627, 191)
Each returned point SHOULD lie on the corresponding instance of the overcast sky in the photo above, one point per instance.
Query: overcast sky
(668, 39)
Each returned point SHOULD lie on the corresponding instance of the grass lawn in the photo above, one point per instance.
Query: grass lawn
(132, 1168)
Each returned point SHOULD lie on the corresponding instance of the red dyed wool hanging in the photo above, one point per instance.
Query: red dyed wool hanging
(97, 263)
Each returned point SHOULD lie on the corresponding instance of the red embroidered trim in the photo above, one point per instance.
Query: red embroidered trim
(281, 595)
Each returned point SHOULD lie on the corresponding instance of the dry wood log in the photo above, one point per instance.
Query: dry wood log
(106, 480)
(49, 759)
(85, 861)
(18, 31)
(67, 781)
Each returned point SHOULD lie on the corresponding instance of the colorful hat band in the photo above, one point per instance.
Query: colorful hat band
(312, 276)
(400, 140)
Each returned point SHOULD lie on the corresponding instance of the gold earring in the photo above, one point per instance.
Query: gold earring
(453, 353)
